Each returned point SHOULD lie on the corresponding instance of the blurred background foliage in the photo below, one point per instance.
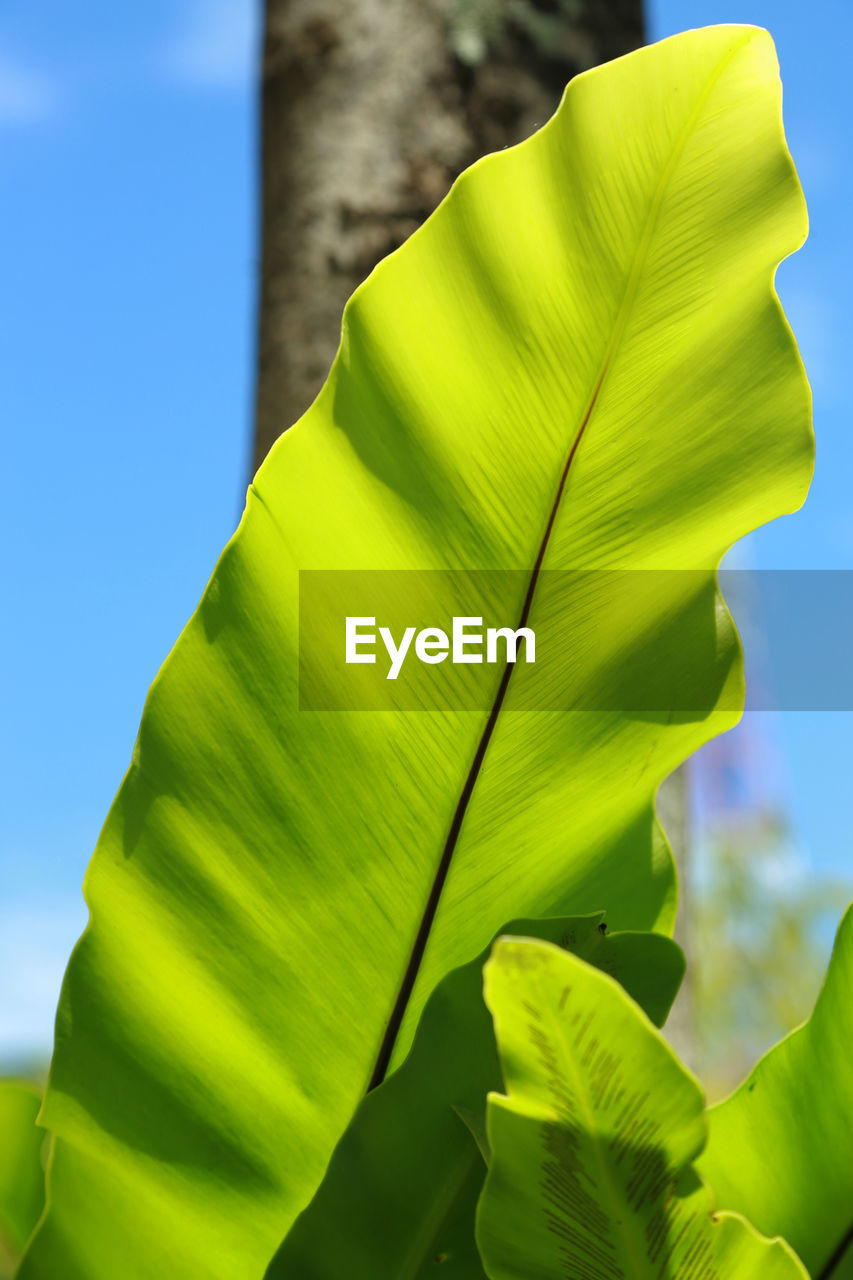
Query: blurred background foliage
(22, 1162)
(758, 918)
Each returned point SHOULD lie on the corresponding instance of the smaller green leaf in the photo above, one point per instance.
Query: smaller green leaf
(779, 1148)
(21, 1169)
(400, 1193)
(591, 1173)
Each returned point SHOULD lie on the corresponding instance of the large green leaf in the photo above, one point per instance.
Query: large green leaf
(21, 1170)
(780, 1147)
(579, 362)
(590, 1172)
(403, 1182)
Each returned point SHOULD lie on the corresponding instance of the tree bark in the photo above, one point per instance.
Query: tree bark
(370, 109)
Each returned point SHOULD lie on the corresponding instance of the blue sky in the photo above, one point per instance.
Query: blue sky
(129, 256)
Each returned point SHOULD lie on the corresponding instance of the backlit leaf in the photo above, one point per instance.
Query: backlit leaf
(578, 363)
(591, 1171)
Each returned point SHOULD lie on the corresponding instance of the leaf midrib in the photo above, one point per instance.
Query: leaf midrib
(401, 1003)
(612, 1190)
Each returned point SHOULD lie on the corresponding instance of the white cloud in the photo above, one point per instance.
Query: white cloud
(217, 46)
(25, 95)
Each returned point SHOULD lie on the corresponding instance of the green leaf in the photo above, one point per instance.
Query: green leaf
(591, 1170)
(21, 1170)
(402, 1185)
(779, 1147)
(579, 362)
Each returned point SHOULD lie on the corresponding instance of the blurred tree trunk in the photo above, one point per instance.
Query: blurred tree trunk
(370, 110)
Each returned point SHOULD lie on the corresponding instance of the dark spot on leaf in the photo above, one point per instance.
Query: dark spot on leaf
(440, 1257)
(602, 928)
